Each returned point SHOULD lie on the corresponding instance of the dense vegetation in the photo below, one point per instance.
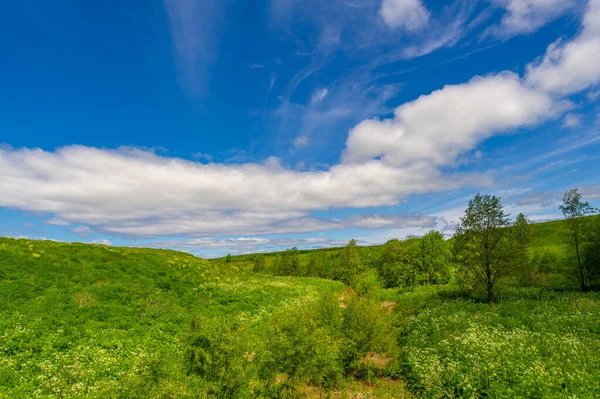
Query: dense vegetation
(410, 318)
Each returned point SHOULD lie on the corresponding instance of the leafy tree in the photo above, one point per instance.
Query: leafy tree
(349, 263)
(574, 210)
(289, 263)
(316, 262)
(433, 255)
(259, 263)
(228, 258)
(395, 265)
(483, 246)
(521, 231)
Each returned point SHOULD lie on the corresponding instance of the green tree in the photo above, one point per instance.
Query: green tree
(574, 210)
(433, 256)
(228, 258)
(395, 265)
(259, 263)
(483, 246)
(349, 263)
(289, 263)
(316, 261)
(521, 229)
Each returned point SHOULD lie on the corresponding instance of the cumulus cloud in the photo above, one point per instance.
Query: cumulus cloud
(526, 16)
(410, 15)
(437, 127)
(137, 192)
(571, 66)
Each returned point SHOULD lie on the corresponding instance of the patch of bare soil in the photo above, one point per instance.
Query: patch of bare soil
(375, 359)
(384, 388)
(344, 296)
(388, 306)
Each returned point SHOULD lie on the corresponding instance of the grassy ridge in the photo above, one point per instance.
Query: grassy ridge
(90, 321)
(82, 320)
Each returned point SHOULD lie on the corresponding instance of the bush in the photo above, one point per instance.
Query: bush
(217, 353)
(298, 349)
(365, 282)
(524, 348)
(365, 329)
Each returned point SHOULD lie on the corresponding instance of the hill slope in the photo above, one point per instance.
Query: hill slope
(81, 320)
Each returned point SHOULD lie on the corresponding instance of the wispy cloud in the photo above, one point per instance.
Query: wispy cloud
(193, 26)
(83, 231)
(526, 16)
(571, 120)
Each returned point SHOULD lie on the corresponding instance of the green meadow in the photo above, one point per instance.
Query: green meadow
(93, 321)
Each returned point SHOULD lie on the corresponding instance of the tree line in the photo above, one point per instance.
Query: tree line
(487, 247)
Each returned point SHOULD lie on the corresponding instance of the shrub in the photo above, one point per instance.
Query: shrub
(300, 350)
(365, 329)
(217, 353)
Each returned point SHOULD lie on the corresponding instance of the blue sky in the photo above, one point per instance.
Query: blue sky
(230, 126)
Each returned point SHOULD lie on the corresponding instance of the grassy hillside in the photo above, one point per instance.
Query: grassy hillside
(94, 321)
(90, 321)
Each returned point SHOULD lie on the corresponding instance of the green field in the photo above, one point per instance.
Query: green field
(91, 321)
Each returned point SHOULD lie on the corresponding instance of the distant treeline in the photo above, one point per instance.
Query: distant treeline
(488, 246)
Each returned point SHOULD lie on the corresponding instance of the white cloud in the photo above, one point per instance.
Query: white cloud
(436, 128)
(571, 66)
(138, 192)
(387, 221)
(318, 96)
(57, 222)
(101, 242)
(571, 120)
(526, 16)
(300, 141)
(83, 231)
(241, 245)
(410, 15)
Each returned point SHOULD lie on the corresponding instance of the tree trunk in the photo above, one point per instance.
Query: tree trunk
(491, 297)
(581, 276)
(489, 284)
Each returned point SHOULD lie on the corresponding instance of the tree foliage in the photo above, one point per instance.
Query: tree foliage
(289, 264)
(483, 246)
(434, 256)
(574, 209)
(259, 263)
(395, 265)
(349, 263)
